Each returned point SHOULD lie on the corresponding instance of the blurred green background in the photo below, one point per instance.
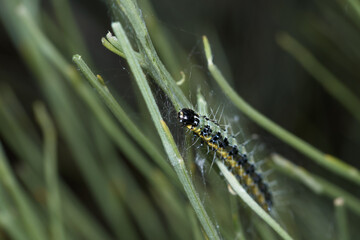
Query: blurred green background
(114, 197)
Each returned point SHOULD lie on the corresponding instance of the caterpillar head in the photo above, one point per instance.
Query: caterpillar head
(187, 116)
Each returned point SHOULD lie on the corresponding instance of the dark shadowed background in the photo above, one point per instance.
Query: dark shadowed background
(243, 35)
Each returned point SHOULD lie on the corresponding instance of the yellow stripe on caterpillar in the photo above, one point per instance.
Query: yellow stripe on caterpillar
(217, 140)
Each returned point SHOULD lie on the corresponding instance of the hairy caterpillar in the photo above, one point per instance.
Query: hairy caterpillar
(225, 147)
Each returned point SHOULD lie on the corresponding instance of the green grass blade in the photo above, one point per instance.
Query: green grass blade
(356, 6)
(196, 230)
(331, 163)
(136, 200)
(264, 230)
(154, 66)
(203, 108)
(123, 118)
(70, 30)
(328, 80)
(50, 168)
(161, 39)
(70, 73)
(73, 130)
(241, 192)
(10, 222)
(154, 177)
(31, 221)
(315, 183)
(76, 215)
(168, 142)
(341, 219)
(13, 134)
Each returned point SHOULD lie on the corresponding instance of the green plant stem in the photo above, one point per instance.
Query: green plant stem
(50, 162)
(71, 74)
(315, 183)
(332, 163)
(72, 34)
(56, 91)
(9, 224)
(153, 64)
(356, 6)
(297, 172)
(126, 184)
(155, 177)
(241, 192)
(14, 136)
(24, 33)
(341, 219)
(76, 216)
(234, 206)
(264, 230)
(111, 47)
(196, 230)
(165, 135)
(161, 39)
(9, 221)
(122, 117)
(112, 44)
(328, 80)
(31, 221)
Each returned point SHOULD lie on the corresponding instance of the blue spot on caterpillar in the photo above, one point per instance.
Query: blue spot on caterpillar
(227, 150)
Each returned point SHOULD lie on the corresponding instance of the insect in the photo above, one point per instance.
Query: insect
(225, 147)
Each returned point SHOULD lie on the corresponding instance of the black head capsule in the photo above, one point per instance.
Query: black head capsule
(187, 116)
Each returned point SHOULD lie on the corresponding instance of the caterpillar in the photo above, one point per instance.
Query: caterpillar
(216, 138)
